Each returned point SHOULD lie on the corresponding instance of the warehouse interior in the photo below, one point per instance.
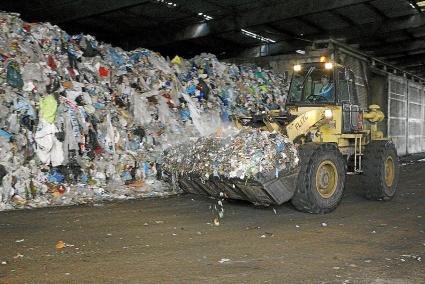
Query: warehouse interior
(240, 141)
(388, 29)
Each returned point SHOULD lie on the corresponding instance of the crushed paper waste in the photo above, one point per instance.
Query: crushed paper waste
(83, 121)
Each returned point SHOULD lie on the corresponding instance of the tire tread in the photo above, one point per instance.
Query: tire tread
(303, 199)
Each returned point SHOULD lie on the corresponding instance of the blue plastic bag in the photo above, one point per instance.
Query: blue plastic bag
(4, 134)
(116, 58)
(13, 76)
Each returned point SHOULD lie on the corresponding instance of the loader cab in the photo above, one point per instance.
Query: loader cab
(321, 84)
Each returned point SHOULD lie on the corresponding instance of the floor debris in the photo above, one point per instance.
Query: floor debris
(224, 260)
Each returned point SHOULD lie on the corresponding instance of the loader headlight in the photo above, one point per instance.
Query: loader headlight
(329, 65)
(328, 114)
(297, 68)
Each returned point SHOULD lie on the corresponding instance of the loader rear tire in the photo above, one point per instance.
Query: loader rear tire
(321, 179)
(380, 170)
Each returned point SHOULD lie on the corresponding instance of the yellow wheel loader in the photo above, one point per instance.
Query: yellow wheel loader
(334, 137)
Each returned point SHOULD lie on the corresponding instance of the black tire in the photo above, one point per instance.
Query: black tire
(373, 179)
(307, 197)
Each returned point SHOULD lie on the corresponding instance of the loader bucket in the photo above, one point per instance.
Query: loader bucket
(264, 189)
(241, 165)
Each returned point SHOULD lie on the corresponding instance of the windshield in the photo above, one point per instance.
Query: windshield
(312, 85)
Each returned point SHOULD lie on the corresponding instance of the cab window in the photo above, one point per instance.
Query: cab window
(312, 86)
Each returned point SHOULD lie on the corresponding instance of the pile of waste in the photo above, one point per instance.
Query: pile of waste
(82, 121)
(242, 154)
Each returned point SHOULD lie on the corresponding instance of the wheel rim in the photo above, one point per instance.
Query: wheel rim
(389, 171)
(326, 179)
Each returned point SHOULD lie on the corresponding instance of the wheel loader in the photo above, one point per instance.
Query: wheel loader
(334, 137)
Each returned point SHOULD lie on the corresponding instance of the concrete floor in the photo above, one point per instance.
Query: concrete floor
(172, 241)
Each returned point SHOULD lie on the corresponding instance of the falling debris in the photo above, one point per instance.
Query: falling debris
(267, 234)
(411, 256)
(216, 222)
(18, 256)
(224, 260)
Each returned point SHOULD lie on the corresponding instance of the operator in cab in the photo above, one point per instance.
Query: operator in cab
(327, 91)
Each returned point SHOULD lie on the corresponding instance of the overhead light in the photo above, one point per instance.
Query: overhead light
(257, 36)
(299, 51)
(411, 5)
(168, 3)
(205, 16)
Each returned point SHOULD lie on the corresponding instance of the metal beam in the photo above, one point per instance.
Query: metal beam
(384, 28)
(344, 18)
(374, 9)
(399, 48)
(272, 49)
(389, 39)
(282, 33)
(77, 10)
(367, 34)
(306, 21)
(416, 69)
(409, 60)
(399, 55)
(255, 17)
(401, 23)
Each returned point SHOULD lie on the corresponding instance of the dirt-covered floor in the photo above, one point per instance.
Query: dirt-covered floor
(173, 241)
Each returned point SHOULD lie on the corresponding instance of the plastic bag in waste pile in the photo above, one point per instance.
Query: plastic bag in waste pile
(98, 117)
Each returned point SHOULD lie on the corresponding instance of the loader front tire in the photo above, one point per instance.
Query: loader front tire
(321, 179)
(380, 171)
